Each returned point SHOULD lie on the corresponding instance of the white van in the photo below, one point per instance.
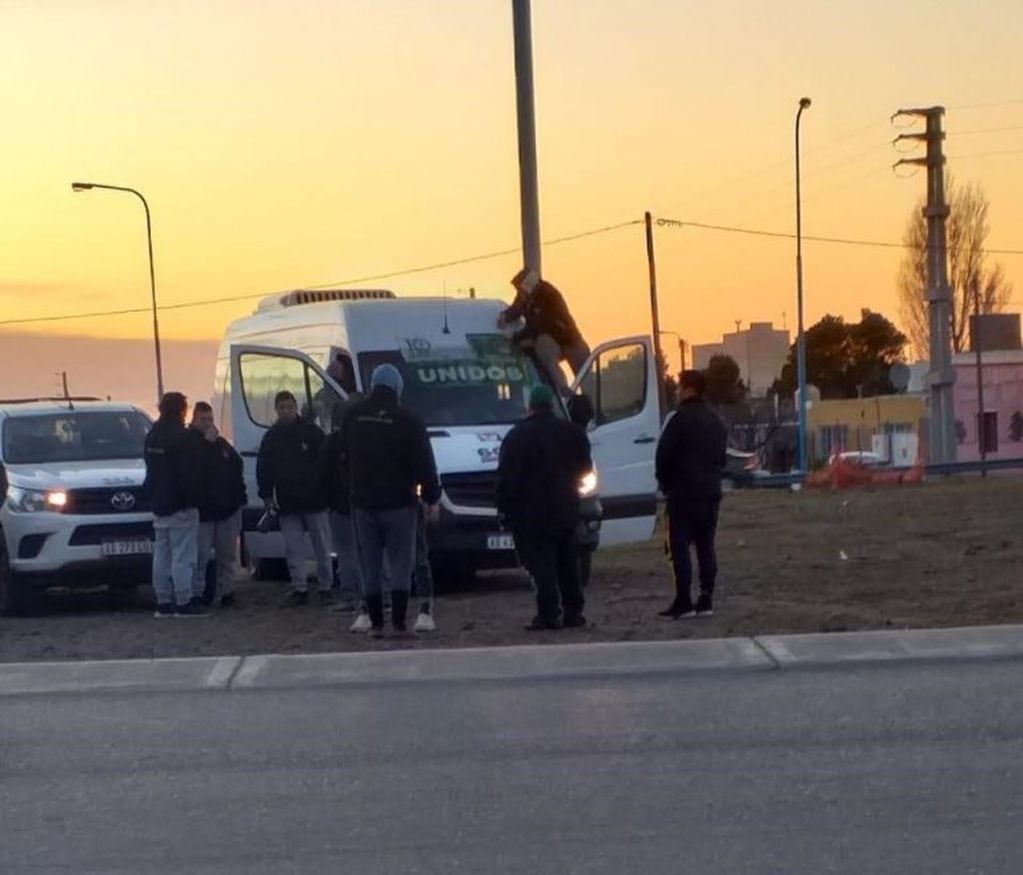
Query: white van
(467, 381)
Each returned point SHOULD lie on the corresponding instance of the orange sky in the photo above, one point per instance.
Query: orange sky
(291, 143)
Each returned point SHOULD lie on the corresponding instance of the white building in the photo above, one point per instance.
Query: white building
(760, 352)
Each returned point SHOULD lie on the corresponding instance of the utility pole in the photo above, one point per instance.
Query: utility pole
(941, 377)
(976, 338)
(655, 316)
(526, 112)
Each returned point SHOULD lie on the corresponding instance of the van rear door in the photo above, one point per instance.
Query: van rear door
(258, 373)
(620, 379)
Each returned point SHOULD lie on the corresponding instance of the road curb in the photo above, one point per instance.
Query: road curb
(278, 671)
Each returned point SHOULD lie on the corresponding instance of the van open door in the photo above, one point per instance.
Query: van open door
(621, 380)
(257, 374)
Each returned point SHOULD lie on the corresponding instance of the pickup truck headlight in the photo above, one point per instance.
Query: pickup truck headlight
(588, 484)
(35, 500)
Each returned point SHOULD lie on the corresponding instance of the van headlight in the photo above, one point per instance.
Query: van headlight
(35, 500)
(588, 484)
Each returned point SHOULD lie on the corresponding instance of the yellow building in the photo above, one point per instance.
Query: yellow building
(867, 425)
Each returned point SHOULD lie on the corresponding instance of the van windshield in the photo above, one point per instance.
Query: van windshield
(74, 437)
(480, 379)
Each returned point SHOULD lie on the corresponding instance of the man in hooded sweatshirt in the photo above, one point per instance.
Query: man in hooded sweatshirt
(174, 488)
(389, 467)
(288, 474)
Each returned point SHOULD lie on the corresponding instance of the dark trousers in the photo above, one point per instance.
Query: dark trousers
(553, 562)
(692, 524)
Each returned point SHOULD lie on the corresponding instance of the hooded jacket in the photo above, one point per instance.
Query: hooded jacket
(223, 480)
(288, 467)
(692, 453)
(387, 454)
(542, 461)
(173, 471)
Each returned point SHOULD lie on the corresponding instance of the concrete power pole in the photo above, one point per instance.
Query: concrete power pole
(942, 438)
(526, 114)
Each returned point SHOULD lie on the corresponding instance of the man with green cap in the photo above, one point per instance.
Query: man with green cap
(543, 458)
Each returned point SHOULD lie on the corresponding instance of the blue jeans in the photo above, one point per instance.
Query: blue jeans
(385, 536)
(348, 571)
(317, 526)
(175, 551)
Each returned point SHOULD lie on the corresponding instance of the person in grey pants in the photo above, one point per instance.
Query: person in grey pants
(388, 463)
(172, 487)
(288, 473)
(220, 509)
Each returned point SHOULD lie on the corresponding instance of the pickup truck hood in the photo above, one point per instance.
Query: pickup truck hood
(78, 475)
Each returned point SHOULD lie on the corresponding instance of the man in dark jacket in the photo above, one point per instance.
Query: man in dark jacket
(542, 461)
(173, 487)
(390, 466)
(220, 508)
(690, 458)
(549, 327)
(288, 474)
(335, 481)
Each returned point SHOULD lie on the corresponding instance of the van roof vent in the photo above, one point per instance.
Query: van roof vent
(298, 297)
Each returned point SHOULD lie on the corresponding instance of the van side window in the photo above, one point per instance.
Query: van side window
(263, 376)
(616, 383)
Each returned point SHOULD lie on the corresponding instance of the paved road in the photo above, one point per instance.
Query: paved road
(889, 768)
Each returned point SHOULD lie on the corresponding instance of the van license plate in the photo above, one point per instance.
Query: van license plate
(138, 547)
(500, 542)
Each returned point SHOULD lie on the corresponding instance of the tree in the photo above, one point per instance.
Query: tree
(970, 274)
(670, 383)
(847, 360)
(724, 385)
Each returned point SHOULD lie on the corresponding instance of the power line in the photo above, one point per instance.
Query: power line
(351, 281)
(986, 154)
(847, 241)
(984, 130)
(1011, 102)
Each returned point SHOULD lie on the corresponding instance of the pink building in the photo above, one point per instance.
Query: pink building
(1003, 404)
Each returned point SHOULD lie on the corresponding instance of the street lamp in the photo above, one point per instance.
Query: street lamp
(88, 186)
(681, 348)
(804, 103)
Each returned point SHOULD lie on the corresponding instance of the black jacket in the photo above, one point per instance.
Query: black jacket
(387, 454)
(223, 480)
(692, 453)
(542, 461)
(288, 467)
(545, 312)
(4, 485)
(333, 475)
(173, 469)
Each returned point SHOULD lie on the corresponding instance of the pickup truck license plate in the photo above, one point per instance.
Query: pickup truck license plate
(500, 542)
(136, 547)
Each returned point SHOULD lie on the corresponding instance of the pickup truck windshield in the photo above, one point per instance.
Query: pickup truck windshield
(479, 380)
(74, 437)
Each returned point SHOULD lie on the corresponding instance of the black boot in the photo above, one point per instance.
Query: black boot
(399, 609)
(375, 609)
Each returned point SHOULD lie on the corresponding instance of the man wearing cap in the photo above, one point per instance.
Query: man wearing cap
(389, 466)
(690, 458)
(543, 458)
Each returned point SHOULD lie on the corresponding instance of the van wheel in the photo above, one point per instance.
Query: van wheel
(16, 595)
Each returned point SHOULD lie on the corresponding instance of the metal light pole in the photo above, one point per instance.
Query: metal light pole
(804, 103)
(681, 348)
(528, 187)
(87, 186)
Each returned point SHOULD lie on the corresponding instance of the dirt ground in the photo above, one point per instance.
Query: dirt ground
(943, 554)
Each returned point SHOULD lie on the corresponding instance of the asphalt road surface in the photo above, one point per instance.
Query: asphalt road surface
(890, 768)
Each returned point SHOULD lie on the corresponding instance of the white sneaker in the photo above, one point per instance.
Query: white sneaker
(424, 623)
(362, 623)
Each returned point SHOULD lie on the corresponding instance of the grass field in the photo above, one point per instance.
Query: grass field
(948, 553)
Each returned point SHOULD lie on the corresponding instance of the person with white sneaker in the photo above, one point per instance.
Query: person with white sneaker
(422, 577)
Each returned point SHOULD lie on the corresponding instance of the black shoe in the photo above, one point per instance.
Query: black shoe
(164, 611)
(539, 624)
(705, 605)
(326, 598)
(678, 611)
(574, 621)
(399, 610)
(195, 608)
(296, 599)
(227, 601)
(375, 609)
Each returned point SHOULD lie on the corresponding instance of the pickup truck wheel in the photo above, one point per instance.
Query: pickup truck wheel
(16, 595)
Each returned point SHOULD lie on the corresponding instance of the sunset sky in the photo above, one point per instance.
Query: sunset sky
(286, 143)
